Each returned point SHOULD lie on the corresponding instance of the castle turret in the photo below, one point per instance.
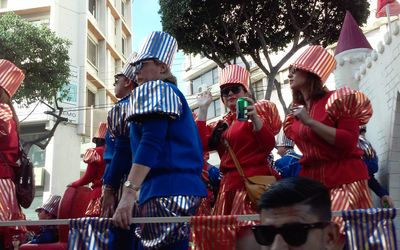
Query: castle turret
(351, 51)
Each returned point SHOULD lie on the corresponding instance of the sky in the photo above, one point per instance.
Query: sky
(145, 20)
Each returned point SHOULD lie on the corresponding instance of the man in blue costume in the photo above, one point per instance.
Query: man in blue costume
(288, 165)
(118, 157)
(371, 161)
(167, 156)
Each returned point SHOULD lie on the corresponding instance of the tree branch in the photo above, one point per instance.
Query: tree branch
(278, 87)
(237, 46)
(264, 47)
(286, 57)
(216, 60)
(293, 18)
(257, 60)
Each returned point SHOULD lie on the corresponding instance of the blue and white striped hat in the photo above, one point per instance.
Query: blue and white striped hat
(283, 141)
(158, 45)
(128, 69)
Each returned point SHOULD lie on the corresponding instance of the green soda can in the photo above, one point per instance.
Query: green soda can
(241, 111)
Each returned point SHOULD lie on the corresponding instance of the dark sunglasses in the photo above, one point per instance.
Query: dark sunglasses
(116, 82)
(235, 90)
(295, 234)
(138, 66)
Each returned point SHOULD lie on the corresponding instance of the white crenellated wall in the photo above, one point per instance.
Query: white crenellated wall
(379, 78)
(347, 64)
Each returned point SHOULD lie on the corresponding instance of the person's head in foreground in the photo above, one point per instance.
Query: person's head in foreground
(296, 214)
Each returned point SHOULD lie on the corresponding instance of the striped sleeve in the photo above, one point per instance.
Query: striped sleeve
(91, 156)
(287, 126)
(5, 119)
(346, 103)
(269, 114)
(154, 98)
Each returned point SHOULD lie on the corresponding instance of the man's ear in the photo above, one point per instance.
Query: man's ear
(164, 68)
(128, 83)
(332, 238)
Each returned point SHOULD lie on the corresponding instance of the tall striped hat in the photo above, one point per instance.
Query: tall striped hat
(158, 45)
(11, 77)
(128, 69)
(101, 130)
(234, 74)
(317, 61)
(51, 205)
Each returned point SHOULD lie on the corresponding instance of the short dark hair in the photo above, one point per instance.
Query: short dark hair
(298, 191)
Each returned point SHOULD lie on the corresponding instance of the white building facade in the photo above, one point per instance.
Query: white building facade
(101, 41)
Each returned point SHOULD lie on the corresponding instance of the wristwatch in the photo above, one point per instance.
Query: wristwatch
(108, 187)
(129, 184)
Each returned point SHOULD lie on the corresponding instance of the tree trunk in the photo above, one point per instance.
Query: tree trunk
(271, 83)
(278, 87)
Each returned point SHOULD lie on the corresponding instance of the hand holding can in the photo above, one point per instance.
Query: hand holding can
(241, 109)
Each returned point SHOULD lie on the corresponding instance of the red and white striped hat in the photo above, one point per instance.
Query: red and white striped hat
(234, 74)
(51, 205)
(11, 77)
(317, 61)
(101, 130)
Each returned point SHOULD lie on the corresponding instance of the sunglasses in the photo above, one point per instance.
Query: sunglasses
(116, 82)
(138, 66)
(235, 90)
(295, 234)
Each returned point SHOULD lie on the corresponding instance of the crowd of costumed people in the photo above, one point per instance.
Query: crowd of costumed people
(151, 154)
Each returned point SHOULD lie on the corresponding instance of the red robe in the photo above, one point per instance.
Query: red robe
(94, 172)
(9, 150)
(337, 164)
(251, 147)
(9, 146)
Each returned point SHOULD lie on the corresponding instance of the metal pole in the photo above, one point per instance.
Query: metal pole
(134, 220)
(388, 17)
(91, 122)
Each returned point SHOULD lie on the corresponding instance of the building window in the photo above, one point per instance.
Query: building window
(90, 98)
(215, 75)
(116, 66)
(197, 85)
(41, 22)
(204, 81)
(124, 45)
(92, 52)
(93, 7)
(214, 110)
(123, 8)
(259, 90)
(37, 156)
(3, 4)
